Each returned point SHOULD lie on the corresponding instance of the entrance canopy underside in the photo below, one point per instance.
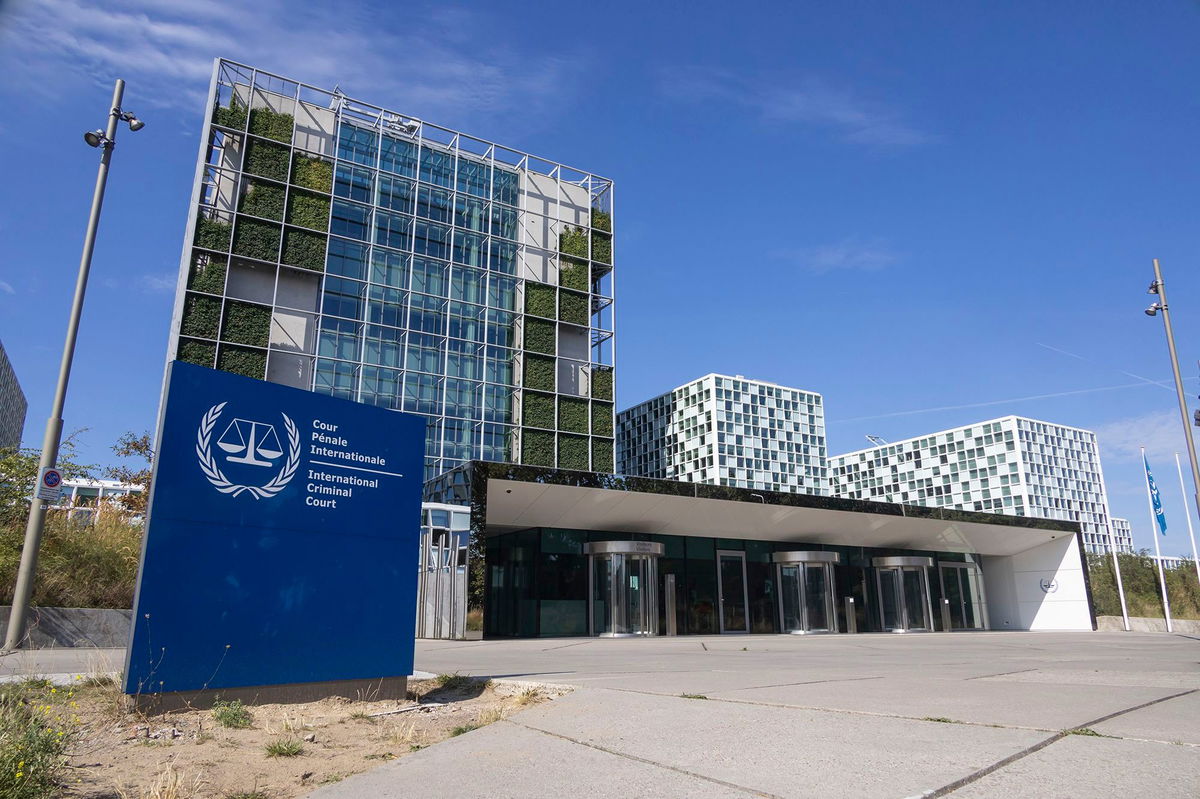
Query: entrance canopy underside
(515, 504)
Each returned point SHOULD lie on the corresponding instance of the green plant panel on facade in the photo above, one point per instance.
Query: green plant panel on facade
(573, 241)
(602, 248)
(539, 335)
(255, 239)
(537, 447)
(539, 373)
(242, 361)
(305, 250)
(246, 323)
(201, 353)
(272, 124)
(573, 415)
(539, 299)
(263, 200)
(601, 220)
(212, 234)
(602, 455)
(207, 273)
(267, 160)
(573, 275)
(573, 452)
(602, 418)
(573, 307)
(201, 316)
(232, 117)
(538, 410)
(308, 210)
(602, 384)
(312, 173)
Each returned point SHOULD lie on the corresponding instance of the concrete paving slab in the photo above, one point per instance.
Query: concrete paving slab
(1087, 766)
(1171, 721)
(504, 760)
(779, 751)
(41, 662)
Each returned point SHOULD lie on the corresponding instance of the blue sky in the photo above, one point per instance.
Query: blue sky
(929, 212)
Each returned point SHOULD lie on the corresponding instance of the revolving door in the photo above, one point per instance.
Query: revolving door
(903, 588)
(623, 588)
(806, 603)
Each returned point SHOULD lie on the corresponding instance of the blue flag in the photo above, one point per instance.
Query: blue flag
(1155, 499)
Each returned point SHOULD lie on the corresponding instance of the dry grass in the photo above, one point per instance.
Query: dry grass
(169, 784)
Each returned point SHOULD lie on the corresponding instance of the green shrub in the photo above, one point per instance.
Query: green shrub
(246, 323)
(201, 315)
(255, 239)
(284, 747)
(212, 234)
(539, 373)
(539, 299)
(602, 383)
(305, 250)
(242, 361)
(573, 307)
(573, 241)
(539, 335)
(601, 220)
(272, 124)
(201, 353)
(79, 566)
(207, 273)
(232, 117)
(233, 715)
(455, 681)
(267, 160)
(33, 744)
(602, 418)
(537, 447)
(602, 248)
(264, 200)
(573, 452)
(573, 415)
(602, 455)
(312, 173)
(308, 210)
(539, 410)
(573, 275)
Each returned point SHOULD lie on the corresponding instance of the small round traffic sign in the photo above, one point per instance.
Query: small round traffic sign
(52, 478)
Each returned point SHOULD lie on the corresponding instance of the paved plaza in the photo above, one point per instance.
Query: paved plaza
(966, 714)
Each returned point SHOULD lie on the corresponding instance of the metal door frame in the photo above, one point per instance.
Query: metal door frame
(900, 564)
(962, 567)
(804, 560)
(732, 553)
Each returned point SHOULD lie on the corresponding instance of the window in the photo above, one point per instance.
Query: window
(399, 156)
(437, 167)
(434, 204)
(432, 240)
(347, 259)
(424, 353)
(357, 144)
(384, 346)
(386, 306)
(340, 339)
(343, 297)
(473, 177)
(392, 230)
(429, 276)
(336, 378)
(389, 268)
(396, 194)
(350, 219)
(353, 183)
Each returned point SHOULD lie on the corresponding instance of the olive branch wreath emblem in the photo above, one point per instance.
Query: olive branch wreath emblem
(212, 471)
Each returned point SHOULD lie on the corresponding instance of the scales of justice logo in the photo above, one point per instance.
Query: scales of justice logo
(247, 442)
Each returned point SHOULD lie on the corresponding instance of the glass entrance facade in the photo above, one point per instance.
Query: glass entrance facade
(554, 582)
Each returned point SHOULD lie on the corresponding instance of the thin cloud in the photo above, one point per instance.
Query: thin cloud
(850, 255)
(809, 101)
(7, 288)
(448, 67)
(1160, 432)
(158, 284)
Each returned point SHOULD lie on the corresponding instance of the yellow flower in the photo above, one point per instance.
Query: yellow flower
(20, 774)
(53, 690)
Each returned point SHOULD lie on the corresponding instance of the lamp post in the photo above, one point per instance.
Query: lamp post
(105, 140)
(1160, 289)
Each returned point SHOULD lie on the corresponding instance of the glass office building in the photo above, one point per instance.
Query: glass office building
(728, 431)
(341, 247)
(12, 405)
(1122, 532)
(1014, 466)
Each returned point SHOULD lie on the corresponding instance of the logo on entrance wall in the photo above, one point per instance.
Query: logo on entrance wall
(247, 442)
(1049, 586)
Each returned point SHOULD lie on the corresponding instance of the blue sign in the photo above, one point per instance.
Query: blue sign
(281, 542)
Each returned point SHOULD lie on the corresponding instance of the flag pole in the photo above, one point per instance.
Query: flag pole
(1191, 533)
(1112, 545)
(1154, 531)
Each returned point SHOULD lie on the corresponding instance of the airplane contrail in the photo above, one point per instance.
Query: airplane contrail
(1162, 384)
(995, 402)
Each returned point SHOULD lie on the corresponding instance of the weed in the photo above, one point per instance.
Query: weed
(461, 729)
(454, 682)
(98, 681)
(941, 720)
(527, 697)
(246, 795)
(168, 785)
(33, 743)
(1085, 731)
(380, 756)
(285, 747)
(403, 733)
(233, 715)
(693, 696)
(360, 715)
(329, 779)
(416, 747)
(36, 684)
